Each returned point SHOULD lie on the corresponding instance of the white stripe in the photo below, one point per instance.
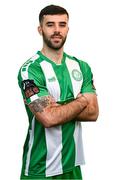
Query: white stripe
(79, 157)
(72, 65)
(34, 97)
(24, 73)
(31, 141)
(54, 147)
(53, 86)
(54, 134)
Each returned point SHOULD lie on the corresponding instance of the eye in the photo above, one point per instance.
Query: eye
(50, 24)
(62, 24)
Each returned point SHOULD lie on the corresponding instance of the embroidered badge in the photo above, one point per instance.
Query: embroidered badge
(77, 75)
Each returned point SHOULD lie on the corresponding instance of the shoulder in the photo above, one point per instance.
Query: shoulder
(30, 65)
(30, 68)
(31, 62)
(83, 64)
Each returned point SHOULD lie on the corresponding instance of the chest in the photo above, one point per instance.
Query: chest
(63, 81)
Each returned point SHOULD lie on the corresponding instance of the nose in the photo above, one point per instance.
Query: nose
(56, 28)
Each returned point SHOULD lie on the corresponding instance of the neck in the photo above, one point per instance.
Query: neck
(54, 55)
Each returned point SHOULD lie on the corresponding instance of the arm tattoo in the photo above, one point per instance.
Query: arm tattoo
(39, 104)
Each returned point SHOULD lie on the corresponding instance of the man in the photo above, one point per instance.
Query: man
(58, 93)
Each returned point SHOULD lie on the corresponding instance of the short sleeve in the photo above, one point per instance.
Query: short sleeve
(32, 83)
(88, 84)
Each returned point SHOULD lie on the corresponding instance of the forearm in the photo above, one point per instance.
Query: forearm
(54, 114)
(91, 112)
(88, 114)
(64, 113)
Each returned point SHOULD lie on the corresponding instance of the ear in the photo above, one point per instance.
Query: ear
(40, 30)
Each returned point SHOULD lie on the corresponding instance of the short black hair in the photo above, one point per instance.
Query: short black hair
(52, 10)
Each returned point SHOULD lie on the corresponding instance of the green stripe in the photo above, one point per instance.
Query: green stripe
(68, 151)
(25, 149)
(64, 80)
(39, 151)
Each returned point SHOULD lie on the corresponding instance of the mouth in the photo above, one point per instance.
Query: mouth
(56, 37)
(56, 40)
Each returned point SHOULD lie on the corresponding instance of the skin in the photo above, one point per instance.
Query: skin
(54, 30)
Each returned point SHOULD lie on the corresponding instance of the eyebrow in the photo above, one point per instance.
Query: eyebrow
(63, 22)
(51, 22)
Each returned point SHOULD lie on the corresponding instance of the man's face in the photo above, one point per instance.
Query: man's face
(54, 29)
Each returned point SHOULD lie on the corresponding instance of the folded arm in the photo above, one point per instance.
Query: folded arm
(49, 113)
(91, 112)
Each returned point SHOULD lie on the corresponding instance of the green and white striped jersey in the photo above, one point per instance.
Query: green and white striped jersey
(55, 150)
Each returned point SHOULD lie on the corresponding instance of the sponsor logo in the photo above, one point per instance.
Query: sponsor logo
(52, 79)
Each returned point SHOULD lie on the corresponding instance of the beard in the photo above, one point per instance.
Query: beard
(54, 45)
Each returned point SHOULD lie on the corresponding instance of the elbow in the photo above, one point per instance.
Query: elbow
(47, 122)
(94, 116)
(94, 113)
(91, 118)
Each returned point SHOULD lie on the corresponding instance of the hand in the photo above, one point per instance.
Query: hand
(81, 98)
